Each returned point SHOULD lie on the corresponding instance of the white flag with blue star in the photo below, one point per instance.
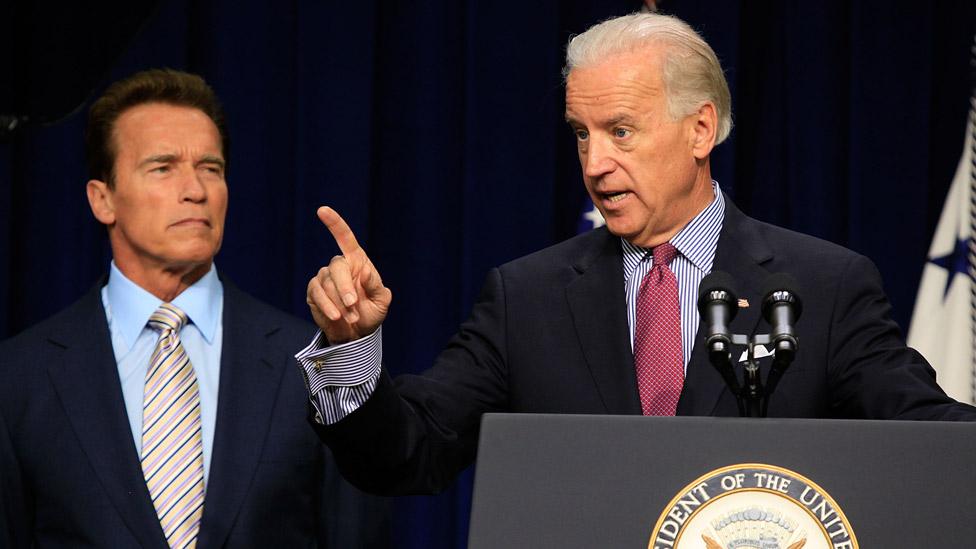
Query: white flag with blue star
(942, 322)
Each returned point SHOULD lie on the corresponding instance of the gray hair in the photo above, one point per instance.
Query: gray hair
(692, 73)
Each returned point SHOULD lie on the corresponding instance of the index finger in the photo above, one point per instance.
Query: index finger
(340, 230)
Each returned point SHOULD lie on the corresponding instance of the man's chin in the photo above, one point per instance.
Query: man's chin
(636, 236)
(192, 259)
(620, 227)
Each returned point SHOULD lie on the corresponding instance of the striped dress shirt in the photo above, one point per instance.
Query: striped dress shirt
(696, 244)
(341, 378)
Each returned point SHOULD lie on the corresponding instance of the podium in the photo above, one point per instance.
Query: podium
(567, 481)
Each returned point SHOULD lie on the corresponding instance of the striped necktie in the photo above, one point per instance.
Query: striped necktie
(172, 448)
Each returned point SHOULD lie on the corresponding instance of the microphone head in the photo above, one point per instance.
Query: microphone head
(780, 288)
(718, 286)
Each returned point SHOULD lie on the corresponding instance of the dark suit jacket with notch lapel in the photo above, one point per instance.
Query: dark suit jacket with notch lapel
(71, 476)
(549, 334)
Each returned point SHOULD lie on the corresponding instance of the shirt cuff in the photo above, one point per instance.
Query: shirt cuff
(341, 378)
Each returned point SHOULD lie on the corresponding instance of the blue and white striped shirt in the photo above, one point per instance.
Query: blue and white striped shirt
(696, 244)
(341, 378)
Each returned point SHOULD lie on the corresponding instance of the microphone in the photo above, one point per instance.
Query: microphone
(781, 308)
(717, 305)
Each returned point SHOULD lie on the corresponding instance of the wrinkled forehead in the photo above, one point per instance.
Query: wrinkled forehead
(163, 112)
(165, 122)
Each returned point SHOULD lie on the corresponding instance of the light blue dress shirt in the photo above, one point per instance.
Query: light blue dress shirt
(128, 308)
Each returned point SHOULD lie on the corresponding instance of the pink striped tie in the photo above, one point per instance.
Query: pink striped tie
(172, 448)
(657, 337)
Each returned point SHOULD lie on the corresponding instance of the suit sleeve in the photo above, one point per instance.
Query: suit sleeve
(873, 374)
(416, 434)
(350, 518)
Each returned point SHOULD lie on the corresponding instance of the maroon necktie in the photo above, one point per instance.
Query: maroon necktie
(657, 337)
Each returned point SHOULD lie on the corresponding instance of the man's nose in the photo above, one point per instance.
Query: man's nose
(598, 159)
(193, 188)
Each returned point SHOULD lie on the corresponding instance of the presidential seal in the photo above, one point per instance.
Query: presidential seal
(752, 506)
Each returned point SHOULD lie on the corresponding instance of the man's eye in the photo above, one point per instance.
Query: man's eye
(621, 133)
(160, 169)
(582, 135)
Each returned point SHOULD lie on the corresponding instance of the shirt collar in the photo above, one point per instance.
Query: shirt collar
(699, 238)
(132, 306)
(696, 241)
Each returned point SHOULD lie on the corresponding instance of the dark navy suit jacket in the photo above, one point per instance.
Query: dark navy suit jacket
(70, 475)
(549, 334)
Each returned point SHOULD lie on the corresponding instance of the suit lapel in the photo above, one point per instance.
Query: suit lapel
(741, 252)
(249, 380)
(87, 383)
(599, 311)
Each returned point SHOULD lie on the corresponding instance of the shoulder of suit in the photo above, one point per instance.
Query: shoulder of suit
(87, 308)
(788, 243)
(22, 355)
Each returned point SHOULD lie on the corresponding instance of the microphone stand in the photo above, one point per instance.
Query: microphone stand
(751, 395)
(719, 355)
(785, 352)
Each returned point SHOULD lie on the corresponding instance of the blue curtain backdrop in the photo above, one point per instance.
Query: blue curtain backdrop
(436, 129)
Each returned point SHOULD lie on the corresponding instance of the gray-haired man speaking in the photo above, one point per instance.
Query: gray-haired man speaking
(606, 322)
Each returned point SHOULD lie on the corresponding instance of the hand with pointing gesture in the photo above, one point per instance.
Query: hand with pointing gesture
(347, 298)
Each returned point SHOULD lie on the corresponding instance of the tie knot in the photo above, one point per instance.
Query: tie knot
(663, 254)
(167, 317)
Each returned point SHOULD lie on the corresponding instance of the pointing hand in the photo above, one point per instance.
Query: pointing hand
(347, 298)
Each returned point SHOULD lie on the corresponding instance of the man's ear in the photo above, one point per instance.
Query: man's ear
(705, 126)
(100, 201)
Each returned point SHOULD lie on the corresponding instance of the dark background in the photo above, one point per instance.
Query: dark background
(436, 129)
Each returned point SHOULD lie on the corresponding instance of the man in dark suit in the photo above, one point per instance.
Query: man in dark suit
(111, 432)
(606, 322)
